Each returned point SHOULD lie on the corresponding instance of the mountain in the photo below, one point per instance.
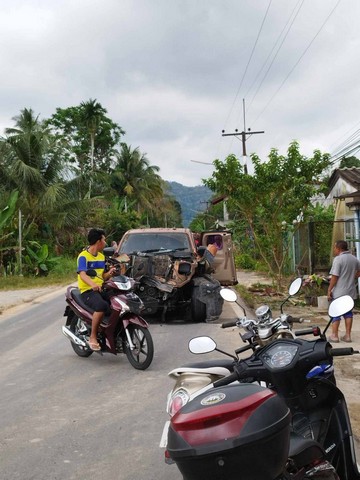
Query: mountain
(193, 200)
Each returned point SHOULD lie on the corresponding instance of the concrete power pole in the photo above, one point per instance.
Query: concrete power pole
(243, 135)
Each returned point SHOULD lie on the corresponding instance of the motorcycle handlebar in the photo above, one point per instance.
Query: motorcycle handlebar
(291, 319)
(229, 324)
(226, 380)
(338, 352)
(308, 331)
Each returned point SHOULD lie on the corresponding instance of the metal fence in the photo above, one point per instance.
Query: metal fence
(313, 244)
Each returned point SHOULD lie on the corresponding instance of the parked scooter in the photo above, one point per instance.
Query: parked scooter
(296, 428)
(264, 329)
(190, 379)
(123, 330)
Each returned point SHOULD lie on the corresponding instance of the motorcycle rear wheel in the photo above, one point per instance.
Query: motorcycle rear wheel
(75, 325)
(142, 355)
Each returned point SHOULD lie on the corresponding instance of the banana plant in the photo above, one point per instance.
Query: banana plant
(7, 214)
(39, 261)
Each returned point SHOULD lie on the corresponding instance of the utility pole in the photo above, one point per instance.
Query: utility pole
(243, 135)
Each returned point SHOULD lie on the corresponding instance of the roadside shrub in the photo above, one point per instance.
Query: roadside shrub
(245, 261)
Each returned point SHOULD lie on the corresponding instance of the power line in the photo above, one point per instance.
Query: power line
(301, 2)
(298, 61)
(248, 63)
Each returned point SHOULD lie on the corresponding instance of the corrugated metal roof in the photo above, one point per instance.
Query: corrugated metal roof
(349, 175)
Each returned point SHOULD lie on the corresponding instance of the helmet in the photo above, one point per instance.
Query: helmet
(263, 313)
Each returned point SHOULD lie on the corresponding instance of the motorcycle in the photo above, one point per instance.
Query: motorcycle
(297, 427)
(264, 329)
(122, 330)
(190, 379)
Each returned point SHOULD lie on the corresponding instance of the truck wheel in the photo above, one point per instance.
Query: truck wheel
(198, 309)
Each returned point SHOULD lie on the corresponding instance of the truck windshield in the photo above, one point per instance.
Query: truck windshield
(142, 242)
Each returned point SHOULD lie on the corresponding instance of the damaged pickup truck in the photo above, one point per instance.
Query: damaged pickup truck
(176, 274)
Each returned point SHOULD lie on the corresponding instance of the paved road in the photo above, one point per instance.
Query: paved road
(69, 418)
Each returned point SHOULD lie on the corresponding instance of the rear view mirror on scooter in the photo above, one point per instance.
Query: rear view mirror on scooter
(228, 294)
(340, 305)
(202, 345)
(295, 286)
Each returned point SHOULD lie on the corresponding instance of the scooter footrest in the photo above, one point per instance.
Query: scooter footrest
(303, 451)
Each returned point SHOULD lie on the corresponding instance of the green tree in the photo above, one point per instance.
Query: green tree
(135, 179)
(91, 138)
(32, 162)
(349, 162)
(275, 196)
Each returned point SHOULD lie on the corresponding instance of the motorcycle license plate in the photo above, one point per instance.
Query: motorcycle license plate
(163, 441)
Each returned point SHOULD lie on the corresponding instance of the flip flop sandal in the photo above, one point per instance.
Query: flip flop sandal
(94, 346)
(332, 339)
(345, 339)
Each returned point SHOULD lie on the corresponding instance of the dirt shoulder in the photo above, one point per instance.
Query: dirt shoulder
(11, 301)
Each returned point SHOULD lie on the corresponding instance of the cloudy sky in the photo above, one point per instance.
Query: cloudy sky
(173, 73)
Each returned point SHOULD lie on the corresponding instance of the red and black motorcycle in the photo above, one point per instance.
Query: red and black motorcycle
(123, 330)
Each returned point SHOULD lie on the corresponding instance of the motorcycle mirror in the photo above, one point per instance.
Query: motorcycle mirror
(109, 251)
(228, 294)
(91, 272)
(340, 305)
(295, 286)
(202, 345)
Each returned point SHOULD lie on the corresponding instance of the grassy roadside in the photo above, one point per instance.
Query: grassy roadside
(64, 273)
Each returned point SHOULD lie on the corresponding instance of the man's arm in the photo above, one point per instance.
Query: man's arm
(89, 281)
(333, 281)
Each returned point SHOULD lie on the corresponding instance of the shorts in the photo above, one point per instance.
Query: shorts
(346, 315)
(94, 300)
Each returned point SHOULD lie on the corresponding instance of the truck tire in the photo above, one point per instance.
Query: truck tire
(198, 309)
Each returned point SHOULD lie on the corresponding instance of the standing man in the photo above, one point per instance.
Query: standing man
(90, 288)
(345, 269)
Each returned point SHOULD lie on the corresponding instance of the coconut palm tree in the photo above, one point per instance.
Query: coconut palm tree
(135, 179)
(91, 114)
(32, 162)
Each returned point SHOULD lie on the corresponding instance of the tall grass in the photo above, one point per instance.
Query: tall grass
(63, 273)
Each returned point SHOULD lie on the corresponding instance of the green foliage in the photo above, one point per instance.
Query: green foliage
(271, 201)
(7, 215)
(349, 162)
(76, 126)
(37, 259)
(245, 261)
(322, 219)
(63, 273)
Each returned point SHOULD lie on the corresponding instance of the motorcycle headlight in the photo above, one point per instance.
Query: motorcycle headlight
(263, 313)
(176, 401)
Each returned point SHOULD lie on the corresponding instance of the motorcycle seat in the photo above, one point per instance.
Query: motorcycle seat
(221, 367)
(303, 450)
(76, 295)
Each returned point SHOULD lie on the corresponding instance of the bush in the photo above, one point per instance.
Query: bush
(245, 261)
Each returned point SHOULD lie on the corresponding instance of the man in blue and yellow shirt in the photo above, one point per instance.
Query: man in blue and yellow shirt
(90, 288)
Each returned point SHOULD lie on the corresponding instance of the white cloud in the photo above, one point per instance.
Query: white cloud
(168, 72)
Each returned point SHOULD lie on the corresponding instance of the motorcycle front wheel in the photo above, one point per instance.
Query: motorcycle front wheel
(141, 356)
(77, 326)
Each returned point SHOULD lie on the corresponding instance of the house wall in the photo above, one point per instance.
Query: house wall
(341, 187)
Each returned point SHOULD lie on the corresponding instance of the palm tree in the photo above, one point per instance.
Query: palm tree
(136, 179)
(91, 114)
(33, 164)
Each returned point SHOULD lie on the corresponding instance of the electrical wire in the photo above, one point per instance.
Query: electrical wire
(298, 61)
(248, 63)
(300, 2)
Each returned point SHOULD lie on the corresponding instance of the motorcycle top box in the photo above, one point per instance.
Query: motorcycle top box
(237, 431)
